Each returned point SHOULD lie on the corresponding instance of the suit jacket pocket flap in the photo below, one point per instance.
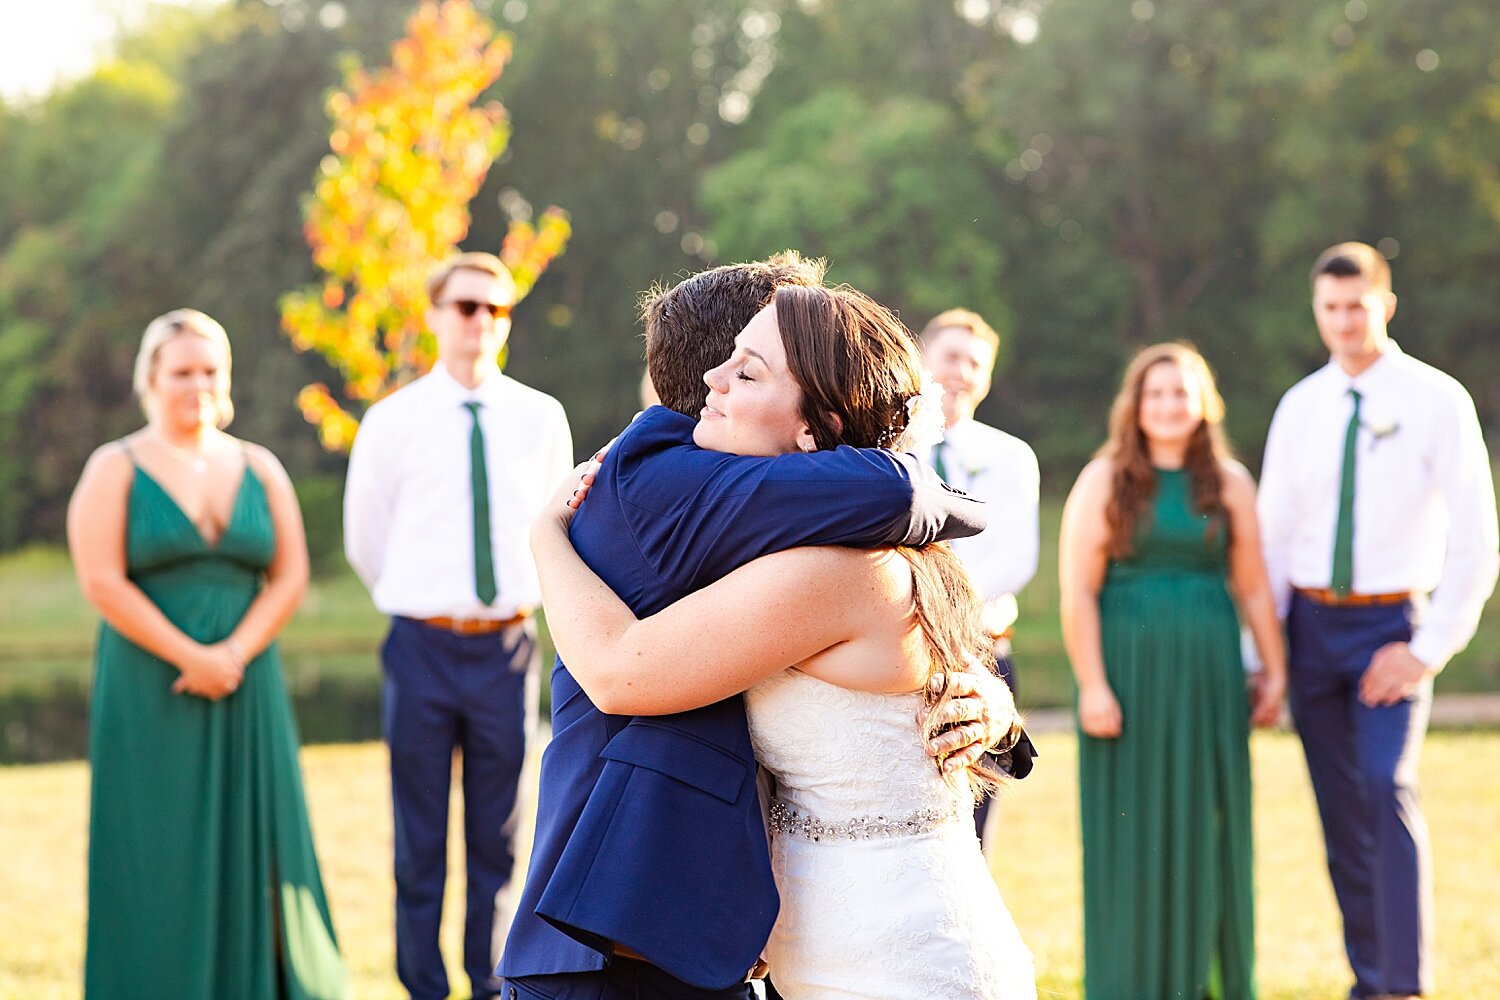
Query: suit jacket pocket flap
(679, 756)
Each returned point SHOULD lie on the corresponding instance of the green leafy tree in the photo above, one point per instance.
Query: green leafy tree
(1134, 172)
(1090, 176)
(1197, 157)
(78, 162)
(159, 180)
(249, 132)
(890, 192)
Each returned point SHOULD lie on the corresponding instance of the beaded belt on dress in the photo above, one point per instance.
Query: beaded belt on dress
(790, 822)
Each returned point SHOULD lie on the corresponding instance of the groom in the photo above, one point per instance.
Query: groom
(650, 873)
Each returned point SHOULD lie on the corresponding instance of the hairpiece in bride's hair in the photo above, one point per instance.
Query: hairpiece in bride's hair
(924, 417)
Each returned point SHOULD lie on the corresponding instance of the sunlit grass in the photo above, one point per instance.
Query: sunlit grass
(42, 878)
(42, 842)
(1298, 933)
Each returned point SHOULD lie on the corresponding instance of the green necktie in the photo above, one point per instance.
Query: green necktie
(1343, 534)
(937, 461)
(479, 482)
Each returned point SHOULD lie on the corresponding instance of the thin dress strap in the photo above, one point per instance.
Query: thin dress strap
(129, 452)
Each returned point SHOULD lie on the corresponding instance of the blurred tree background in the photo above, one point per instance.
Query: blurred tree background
(1090, 176)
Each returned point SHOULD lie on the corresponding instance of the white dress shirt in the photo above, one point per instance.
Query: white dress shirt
(1001, 470)
(1424, 500)
(408, 502)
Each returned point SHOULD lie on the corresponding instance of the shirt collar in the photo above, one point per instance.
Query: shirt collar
(487, 392)
(962, 453)
(1378, 372)
(954, 436)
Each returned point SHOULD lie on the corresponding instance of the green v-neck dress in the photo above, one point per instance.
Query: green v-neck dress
(202, 877)
(1165, 809)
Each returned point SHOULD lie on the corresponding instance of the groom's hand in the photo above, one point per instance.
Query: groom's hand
(981, 716)
(1393, 674)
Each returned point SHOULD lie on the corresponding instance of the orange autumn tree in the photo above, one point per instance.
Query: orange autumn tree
(410, 148)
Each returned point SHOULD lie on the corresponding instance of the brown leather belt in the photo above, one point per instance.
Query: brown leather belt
(473, 626)
(1324, 595)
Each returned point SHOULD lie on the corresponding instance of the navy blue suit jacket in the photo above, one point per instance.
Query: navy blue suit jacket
(649, 830)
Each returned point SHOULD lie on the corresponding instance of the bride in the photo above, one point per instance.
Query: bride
(884, 891)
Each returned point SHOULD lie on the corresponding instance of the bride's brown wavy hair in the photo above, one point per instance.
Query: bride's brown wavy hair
(857, 365)
(1134, 478)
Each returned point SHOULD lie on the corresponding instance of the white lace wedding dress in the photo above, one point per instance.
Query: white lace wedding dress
(884, 893)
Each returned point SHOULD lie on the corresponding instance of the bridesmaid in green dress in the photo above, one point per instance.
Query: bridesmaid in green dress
(202, 877)
(1159, 542)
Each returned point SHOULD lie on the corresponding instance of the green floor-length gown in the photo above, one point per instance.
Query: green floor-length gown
(202, 877)
(1167, 869)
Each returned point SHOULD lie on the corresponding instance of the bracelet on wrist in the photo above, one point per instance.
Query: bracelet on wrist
(235, 650)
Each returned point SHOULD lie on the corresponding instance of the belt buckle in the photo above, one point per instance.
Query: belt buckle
(469, 626)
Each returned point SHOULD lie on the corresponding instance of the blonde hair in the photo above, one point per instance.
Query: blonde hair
(170, 326)
(486, 263)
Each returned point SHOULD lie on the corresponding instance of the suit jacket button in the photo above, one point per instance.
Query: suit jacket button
(512, 994)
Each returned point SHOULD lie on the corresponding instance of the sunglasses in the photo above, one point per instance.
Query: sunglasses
(468, 307)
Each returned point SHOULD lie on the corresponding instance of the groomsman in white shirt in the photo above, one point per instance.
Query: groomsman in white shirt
(444, 481)
(1377, 513)
(960, 348)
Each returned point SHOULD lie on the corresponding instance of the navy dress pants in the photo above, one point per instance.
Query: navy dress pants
(444, 692)
(1363, 765)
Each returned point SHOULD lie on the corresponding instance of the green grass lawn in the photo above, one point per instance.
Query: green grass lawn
(47, 631)
(43, 843)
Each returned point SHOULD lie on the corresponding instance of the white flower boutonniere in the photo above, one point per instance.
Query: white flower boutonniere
(924, 417)
(1380, 424)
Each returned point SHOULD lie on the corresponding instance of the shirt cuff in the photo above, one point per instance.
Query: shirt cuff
(1425, 647)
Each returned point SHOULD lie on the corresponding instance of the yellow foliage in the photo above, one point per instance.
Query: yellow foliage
(410, 146)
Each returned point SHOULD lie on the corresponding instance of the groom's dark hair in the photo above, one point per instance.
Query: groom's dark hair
(691, 326)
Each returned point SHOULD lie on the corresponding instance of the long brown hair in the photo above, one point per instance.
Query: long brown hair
(1134, 478)
(857, 365)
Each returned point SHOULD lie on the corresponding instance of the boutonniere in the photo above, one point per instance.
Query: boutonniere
(1380, 424)
(973, 469)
